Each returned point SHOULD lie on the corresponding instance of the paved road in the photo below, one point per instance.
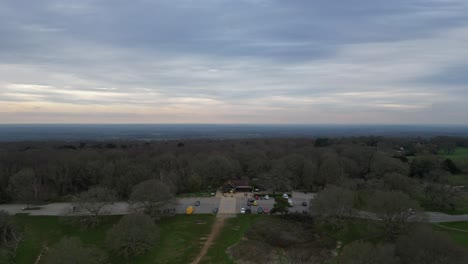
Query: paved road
(435, 217)
(206, 207)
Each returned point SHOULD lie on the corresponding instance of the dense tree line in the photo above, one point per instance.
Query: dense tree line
(388, 178)
(48, 171)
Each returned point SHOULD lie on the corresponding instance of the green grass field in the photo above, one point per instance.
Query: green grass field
(180, 237)
(460, 154)
(460, 237)
(232, 232)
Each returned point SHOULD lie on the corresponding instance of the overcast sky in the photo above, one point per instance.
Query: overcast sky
(234, 61)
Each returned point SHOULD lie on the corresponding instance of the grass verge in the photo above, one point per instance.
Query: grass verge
(180, 237)
(458, 231)
(459, 154)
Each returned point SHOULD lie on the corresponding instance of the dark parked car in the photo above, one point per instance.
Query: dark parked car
(249, 204)
(215, 210)
(248, 211)
(304, 204)
(197, 203)
(251, 200)
(260, 210)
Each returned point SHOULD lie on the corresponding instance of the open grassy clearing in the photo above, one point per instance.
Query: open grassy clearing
(460, 235)
(459, 154)
(181, 237)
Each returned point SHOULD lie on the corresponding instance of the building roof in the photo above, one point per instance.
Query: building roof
(237, 183)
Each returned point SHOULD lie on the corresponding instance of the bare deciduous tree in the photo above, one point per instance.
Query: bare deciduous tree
(25, 186)
(151, 196)
(396, 211)
(94, 200)
(10, 237)
(72, 251)
(333, 202)
(133, 235)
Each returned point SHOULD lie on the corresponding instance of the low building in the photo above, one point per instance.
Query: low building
(237, 186)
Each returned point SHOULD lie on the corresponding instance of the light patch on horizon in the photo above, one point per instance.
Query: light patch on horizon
(264, 62)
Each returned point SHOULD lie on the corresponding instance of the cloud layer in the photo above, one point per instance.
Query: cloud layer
(234, 61)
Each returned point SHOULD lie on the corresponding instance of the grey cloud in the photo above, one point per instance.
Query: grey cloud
(264, 55)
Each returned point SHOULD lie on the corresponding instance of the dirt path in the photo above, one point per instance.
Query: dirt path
(218, 225)
(38, 259)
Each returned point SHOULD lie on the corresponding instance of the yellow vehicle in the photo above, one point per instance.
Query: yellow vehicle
(255, 203)
(189, 210)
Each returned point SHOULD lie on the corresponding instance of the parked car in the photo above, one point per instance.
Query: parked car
(304, 204)
(257, 197)
(266, 210)
(242, 210)
(290, 202)
(197, 203)
(266, 197)
(260, 210)
(285, 196)
(254, 203)
(251, 200)
(215, 210)
(189, 210)
(248, 211)
(249, 203)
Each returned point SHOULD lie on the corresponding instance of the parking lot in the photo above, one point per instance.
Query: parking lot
(297, 204)
(206, 205)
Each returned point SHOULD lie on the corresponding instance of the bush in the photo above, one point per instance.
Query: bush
(424, 245)
(10, 237)
(252, 251)
(364, 252)
(279, 232)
